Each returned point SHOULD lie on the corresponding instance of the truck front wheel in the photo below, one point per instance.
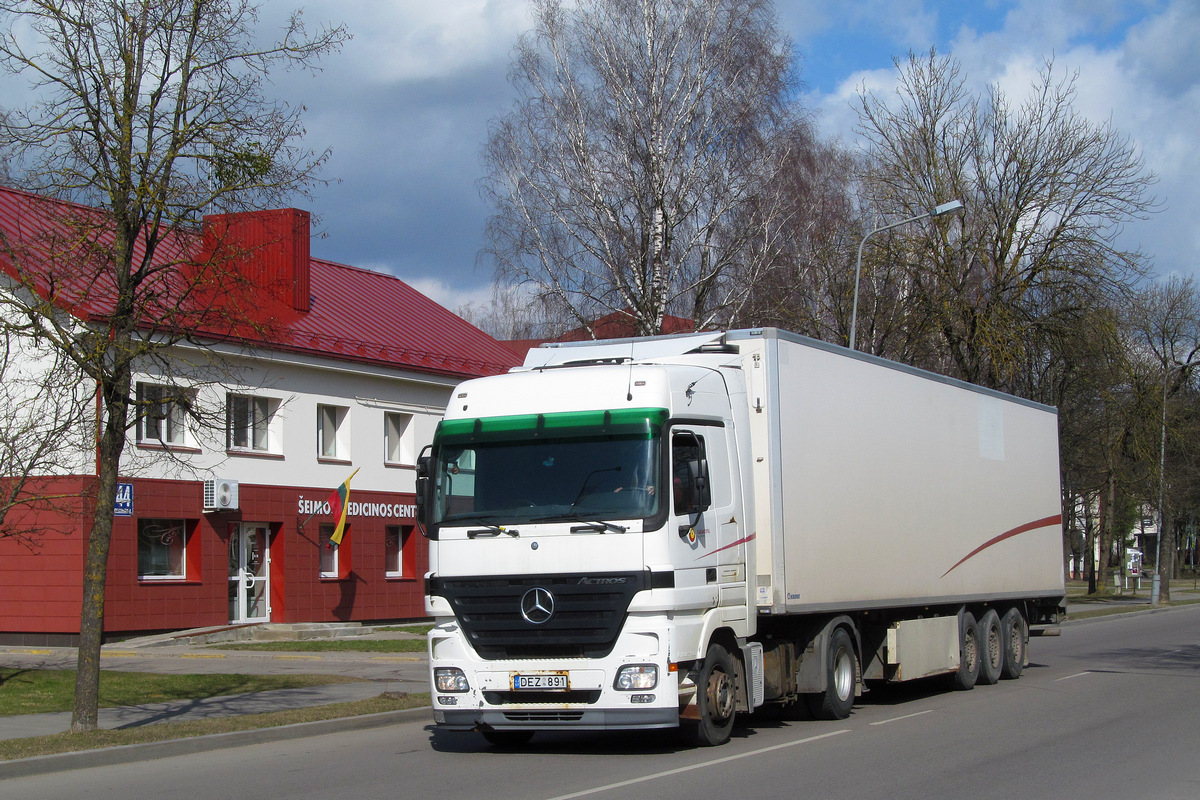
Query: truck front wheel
(716, 698)
(840, 676)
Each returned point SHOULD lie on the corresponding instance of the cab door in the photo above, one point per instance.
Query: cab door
(708, 547)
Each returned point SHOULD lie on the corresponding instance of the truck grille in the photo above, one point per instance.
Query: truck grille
(585, 618)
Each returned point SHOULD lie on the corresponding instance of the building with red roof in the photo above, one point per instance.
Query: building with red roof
(323, 371)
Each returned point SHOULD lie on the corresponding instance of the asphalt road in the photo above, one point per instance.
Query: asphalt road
(1110, 709)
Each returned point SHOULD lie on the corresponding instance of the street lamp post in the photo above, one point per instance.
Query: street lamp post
(944, 208)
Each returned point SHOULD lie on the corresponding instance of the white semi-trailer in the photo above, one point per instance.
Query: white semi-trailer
(658, 532)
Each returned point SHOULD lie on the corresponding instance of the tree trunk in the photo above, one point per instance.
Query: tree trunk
(1166, 552)
(1089, 546)
(85, 716)
(1108, 510)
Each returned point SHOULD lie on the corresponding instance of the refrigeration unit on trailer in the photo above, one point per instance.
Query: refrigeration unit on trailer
(662, 532)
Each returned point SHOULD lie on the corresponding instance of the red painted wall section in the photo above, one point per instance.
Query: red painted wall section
(41, 586)
(41, 568)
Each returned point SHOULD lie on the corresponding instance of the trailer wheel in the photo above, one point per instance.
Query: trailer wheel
(841, 668)
(968, 653)
(507, 739)
(991, 648)
(716, 698)
(1012, 634)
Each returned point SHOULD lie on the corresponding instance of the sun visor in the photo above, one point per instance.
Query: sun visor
(649, 349)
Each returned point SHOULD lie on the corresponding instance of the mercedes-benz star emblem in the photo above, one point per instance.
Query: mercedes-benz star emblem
(537, 605)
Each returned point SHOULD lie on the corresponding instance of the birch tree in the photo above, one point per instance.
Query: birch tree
(645, 136)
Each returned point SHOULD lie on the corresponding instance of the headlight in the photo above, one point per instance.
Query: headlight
(450, 679)
(636, 677)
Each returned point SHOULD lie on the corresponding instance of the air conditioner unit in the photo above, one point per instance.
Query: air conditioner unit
(220, 494)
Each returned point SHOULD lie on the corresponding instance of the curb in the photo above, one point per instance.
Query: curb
(130, 753)
(1125, 614)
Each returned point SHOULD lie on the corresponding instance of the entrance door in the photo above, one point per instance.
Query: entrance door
(249, 573)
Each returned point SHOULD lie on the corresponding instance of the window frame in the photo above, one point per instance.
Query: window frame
(398, 439)
(175, 526)
(333, 563)
(403, 552)
(167, 414)
(254, 424)
(333, 432)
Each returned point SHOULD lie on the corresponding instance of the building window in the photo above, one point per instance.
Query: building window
(397, 552)
(330, 552)
(249, 422)
(333, 440)
(162, 413)
(398, 438)
(162, 549)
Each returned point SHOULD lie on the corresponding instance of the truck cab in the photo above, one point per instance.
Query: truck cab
(590, 547)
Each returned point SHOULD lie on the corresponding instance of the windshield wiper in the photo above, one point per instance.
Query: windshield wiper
(487, 530)
(492, 530)
(598, 526)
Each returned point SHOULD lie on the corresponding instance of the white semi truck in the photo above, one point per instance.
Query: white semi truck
(662, 532)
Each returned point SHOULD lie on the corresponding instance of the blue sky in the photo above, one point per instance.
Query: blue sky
(406, 106)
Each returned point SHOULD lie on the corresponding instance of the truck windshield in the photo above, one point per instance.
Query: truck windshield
(602, 465)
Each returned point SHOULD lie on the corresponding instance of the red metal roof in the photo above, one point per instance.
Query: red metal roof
(353, 314)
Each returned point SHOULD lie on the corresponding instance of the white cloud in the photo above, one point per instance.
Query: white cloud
(452, 297)
(404, 40)
(1144, 79)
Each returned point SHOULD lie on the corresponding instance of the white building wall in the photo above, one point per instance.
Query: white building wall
(295, 387)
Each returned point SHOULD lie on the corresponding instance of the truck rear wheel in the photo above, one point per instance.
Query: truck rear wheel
(1012, 634)
(716, 698)
(968, 653)
(991, 648)
(841, 668)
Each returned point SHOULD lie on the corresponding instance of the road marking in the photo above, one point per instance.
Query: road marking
(202, 655)
(906, 716)
(119, 654)
(1076, 675)
(681, 770)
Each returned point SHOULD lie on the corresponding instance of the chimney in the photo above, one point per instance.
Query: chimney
(271, 248)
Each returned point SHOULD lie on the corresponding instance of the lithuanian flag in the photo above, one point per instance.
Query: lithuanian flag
(338, 501)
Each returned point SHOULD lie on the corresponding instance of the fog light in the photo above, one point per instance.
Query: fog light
(636, 677)
(450, 679)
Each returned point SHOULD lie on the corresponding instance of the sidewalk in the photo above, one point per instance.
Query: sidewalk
(1181, 592)
(382, 672)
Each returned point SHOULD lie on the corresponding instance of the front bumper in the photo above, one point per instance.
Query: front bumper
(591, 701)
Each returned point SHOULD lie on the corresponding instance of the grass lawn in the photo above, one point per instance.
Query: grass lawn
(69, 742)
(36, 691)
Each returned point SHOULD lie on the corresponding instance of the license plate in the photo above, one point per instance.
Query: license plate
(545, 681)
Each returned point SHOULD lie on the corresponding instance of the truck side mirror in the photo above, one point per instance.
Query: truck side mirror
(424, 498)
(695, 495)
(703, 488)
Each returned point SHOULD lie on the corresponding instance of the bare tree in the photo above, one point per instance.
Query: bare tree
(515, 312)
(645, 135)
(1163, 324)
(1046, 191)
(153, 112)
